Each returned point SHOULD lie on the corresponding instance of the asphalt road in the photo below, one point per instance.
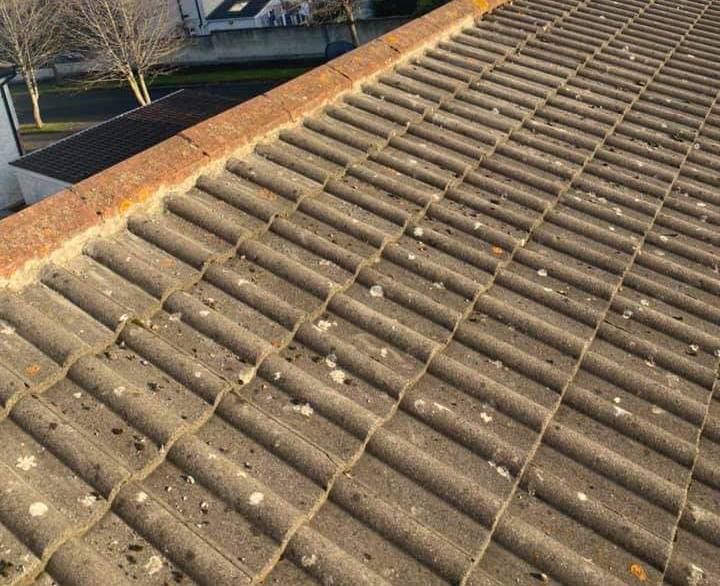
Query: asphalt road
(101, 104)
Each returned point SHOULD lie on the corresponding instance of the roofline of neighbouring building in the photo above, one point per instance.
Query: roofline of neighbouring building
(6, 76)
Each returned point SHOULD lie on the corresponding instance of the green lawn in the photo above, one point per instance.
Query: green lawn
(50, 127)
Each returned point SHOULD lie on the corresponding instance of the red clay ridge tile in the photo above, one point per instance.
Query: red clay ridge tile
(310, 91)
(452, 14)
(366, 61)
(222, 135)
(39, 230)
(410, 37)
(137, 179)
(439, 22)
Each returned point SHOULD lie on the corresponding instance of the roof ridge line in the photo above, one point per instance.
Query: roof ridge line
(58, 227)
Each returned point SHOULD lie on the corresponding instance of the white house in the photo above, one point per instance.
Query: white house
(203, 17)
(10, 146)
(239, 14)
(191, 14)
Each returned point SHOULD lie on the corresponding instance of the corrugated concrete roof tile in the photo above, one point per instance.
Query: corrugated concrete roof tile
(459, 325)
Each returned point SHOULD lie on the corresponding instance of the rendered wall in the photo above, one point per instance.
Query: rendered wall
(277, 43)
(9, 188)
(35, 187)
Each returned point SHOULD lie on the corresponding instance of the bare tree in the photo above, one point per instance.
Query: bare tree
(335, 11)
(30, 37)
(127, 40)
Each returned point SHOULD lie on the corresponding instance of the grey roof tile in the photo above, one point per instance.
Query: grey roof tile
(34, 466)
(148, 516)
(78, 562)
(25, 361)
(285, 572)
(213, 489)
(18, 560)
(366, 545)
(74, 444)
(302, 396)
(68, 315)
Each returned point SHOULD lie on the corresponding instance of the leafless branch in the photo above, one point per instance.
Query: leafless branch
(30, 37)
(126, 40)
(322, 11)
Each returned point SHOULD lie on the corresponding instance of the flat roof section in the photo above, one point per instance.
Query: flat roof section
(95, 149)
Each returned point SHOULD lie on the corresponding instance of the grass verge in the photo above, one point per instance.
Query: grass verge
(51, 127)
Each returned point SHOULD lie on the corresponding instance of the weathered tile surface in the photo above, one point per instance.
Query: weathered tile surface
(461, 327)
